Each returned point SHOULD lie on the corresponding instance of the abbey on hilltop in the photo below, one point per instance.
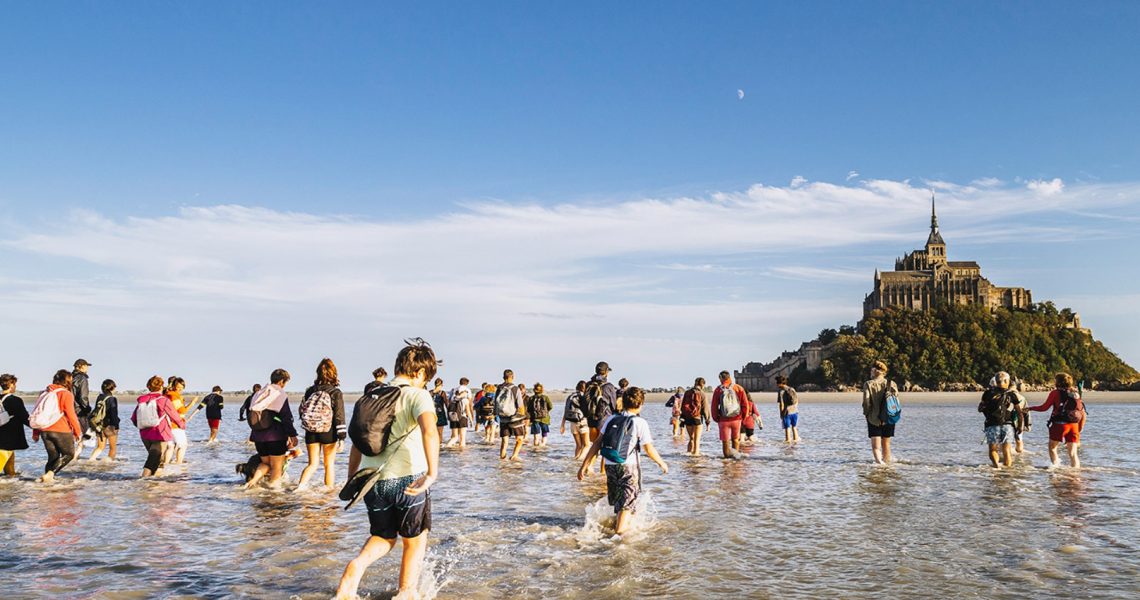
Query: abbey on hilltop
(925, 277)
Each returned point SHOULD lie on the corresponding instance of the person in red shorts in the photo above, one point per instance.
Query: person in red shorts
(1067, 419)
(728, 402)
(214, 403)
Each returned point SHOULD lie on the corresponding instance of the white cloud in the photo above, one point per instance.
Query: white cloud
(1046, 188)
(852, 175)
(987, 182)
(229, 292)
(798, 181)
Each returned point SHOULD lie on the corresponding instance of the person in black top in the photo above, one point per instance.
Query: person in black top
(244, 410)
(214, 403)
(378, 377)
(79, 389)
(12, 432)
(322, 416)
(105, 421)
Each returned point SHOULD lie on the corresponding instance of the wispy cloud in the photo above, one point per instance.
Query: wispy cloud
(1051, 187)
(213, 286)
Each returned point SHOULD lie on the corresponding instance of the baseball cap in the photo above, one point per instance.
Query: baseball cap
(82, 363)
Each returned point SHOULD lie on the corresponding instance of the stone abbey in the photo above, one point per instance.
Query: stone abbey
(925, 277)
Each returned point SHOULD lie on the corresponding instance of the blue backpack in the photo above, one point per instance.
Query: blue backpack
(892, 410)
(619, 439)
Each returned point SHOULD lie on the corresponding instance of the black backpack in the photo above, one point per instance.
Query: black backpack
(538, 407)
(999, 408)
(594, 401)
(372, 417)
(1071, 408)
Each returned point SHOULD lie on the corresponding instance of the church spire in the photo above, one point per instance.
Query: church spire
(935, 238)
(933, 214)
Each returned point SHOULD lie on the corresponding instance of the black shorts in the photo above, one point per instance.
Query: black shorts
(460, 424)
(327, 437)
(691, 422)
(884, 430)
(278, 448)
(515, 429)
(393, 513)
(748, 432)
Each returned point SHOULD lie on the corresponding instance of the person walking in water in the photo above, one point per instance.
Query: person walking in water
(1000, 405)
(788, 402)
(728, 403)
(572, 414)
(80, 390)
(511, 410)
(13, 419)
(1067, 420)
(54, 420)
(175, 385)
(214, 402)
(674, 405)
(105, 421)
(485, 408)
(750, 421)
(273, 433)
(538, 408)
(460, 413)
(875, 392)
(154, 415)
(439, 397)
(695, 412)
(599, 400)
(243, 412)
(624, 436)
(322, 417)
(399, 504)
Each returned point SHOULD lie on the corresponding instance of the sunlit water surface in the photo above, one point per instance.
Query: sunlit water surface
(814, 520)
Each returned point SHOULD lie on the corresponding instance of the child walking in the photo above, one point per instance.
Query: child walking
(623, 436)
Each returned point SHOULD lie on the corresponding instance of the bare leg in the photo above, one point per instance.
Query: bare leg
(622, 522)
(518, 447)
(994, 455)
(260, 472)
(726, 447)
(100, 443)
(10, 466)
(877, 449)
(330, 464)
(887, 450)
(413, 561)
(502, 448)
(374, 549)
(795, 434)
(314, 453)
(276, 468)
(1073, 458)
(113, 440)
(213, 434)
(1007, 454)
(1053, 458)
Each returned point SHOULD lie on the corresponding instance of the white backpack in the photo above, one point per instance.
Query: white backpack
(729, 402)
(146, 414)
(4, 416)
(46, 413)
(506, 402)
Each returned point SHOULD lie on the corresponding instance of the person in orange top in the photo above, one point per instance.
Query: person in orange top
(61, 439)
(174, 387)
(1067, 406)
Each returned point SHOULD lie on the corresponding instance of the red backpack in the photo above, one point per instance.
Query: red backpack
(691, 405)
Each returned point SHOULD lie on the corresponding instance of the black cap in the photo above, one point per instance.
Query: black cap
(602, 368)
(82, 363)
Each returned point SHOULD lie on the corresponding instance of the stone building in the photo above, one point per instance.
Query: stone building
(758, 377)
(925, 277)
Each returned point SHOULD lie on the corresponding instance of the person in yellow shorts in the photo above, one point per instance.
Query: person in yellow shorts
(13, 419)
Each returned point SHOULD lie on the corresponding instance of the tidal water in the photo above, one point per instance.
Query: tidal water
(810, 521)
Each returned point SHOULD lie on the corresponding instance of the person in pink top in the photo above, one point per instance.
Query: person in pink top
(156, 437)
(728, 402)
(751, 420)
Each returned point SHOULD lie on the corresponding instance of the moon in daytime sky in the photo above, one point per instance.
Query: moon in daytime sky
(739, 94)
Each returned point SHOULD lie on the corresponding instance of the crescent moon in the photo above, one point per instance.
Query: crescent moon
(739, 94)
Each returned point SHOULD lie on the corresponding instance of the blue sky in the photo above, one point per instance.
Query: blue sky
(251, 184)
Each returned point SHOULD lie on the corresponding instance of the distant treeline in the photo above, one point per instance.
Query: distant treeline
(963, 344)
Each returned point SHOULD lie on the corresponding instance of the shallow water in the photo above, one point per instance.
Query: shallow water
(815, 520)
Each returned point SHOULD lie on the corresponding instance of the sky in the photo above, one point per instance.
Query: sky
(216, 190)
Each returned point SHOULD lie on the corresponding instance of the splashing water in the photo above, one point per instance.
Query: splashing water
(598, 530)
